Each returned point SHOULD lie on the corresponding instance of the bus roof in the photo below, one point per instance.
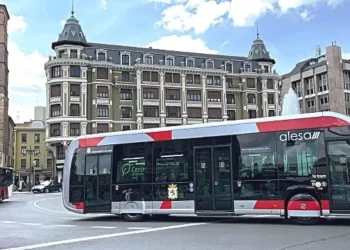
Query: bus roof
(246, 126)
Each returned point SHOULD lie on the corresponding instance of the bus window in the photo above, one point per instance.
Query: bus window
(133, 170)
(299, 151)
(77, 168)
(257, 156)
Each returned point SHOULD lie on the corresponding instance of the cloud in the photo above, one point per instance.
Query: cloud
(103, 4)
(200, 15)
(27, 75)
(306, 15)
(182, 43)
(62, 23)
(346, 56)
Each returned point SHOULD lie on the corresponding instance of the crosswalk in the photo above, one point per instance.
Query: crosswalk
(35, 224)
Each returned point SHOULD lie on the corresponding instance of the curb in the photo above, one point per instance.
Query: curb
(24, 192)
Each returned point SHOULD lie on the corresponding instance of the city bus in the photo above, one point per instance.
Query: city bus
(6, 183)
(295, 167)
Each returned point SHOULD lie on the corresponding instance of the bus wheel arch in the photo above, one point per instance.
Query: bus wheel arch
(301, 202)
(2, 196)
(133, 217)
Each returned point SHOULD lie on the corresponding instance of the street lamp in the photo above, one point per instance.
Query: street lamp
(31, 151)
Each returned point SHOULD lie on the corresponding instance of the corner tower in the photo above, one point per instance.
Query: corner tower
(66, 91)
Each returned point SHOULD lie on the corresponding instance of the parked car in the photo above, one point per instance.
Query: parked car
(47, 187)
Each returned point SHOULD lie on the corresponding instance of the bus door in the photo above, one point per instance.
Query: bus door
(338, 152)
(98, 183)
(213, 180)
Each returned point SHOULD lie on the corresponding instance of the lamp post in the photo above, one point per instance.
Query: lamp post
(32, 165)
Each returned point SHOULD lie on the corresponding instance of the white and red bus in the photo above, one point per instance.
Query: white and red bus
(296, 167)
(6, 183)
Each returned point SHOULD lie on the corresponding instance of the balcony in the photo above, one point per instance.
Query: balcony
(55, 99)
(194, 120)
(150, 102)
(194, 104)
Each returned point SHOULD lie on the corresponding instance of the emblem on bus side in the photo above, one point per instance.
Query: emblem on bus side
(172, 192)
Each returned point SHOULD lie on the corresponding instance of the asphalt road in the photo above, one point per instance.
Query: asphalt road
(39, 221)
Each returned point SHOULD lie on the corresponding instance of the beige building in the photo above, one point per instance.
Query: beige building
(5, 157)
(96, 88)
(321, 83)
(33, 162)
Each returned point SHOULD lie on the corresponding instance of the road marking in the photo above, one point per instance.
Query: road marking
(31, 224)
(102, 227)
(63, 225)
(105, 236)
(8, 222)
(49, 210)
(138, 228)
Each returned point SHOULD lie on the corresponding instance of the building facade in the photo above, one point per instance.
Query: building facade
(33, 162)
(11, 142)
(4, 100)
(96, 88)
(40, 113)
(321, 83)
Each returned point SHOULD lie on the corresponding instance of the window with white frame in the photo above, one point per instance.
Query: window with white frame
(101, 55)
(229, 67)
(148, 59)
(125, 59)
(169, 61)
(190, 63)
(209, 64)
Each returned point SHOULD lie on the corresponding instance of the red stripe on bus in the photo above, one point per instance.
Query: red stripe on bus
(302, 123)
(78, 205)
(269, 204)
(161, 136)
(325, 205)
(90, 142)
(165, 205)
(304, 205)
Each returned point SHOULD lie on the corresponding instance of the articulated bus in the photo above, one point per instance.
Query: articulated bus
(295, 167)
(6, 183)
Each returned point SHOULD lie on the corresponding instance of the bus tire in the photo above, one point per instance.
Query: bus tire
(298, 204)
(305, 220)
(133, 217)
(2, 196)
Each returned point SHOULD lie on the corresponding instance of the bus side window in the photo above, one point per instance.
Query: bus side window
(77, 169)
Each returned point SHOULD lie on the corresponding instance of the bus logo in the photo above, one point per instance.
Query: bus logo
(306, 136)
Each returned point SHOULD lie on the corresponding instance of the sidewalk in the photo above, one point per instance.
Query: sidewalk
(21, 192)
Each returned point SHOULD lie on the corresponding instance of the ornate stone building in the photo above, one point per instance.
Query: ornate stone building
(96, 88)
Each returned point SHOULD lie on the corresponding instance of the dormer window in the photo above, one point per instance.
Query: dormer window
(247, 67)
(101, 55)
(229, 67)
(169, 61)
(190, 63)
(209, 64)
(125, 58)
(148, 59)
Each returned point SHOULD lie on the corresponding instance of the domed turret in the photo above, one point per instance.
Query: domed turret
(258, 52)
(72, 34)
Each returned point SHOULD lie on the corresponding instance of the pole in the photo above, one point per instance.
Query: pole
(30, 168)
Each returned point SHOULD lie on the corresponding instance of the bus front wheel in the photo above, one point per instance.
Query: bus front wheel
(133, 217)
(305, 220)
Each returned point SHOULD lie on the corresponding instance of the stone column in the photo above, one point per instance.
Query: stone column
(183, 98)
(65, 128)
(224, 101)
(48, 107)
(264, 104)
(83, 128)
(204, 99)
(139, 113)
(162, 100)
(277, 104)
(83, 99)
(65, 101)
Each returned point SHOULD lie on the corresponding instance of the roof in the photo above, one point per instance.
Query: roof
(247, 126)
(6, 11)
(305, 65)
(71, 34)
(114, 52)
(258, 52)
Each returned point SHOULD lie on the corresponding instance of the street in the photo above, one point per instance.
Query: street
(29, 221)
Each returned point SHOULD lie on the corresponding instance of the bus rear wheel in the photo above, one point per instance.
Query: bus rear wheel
(133, 217)
(305, 220)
